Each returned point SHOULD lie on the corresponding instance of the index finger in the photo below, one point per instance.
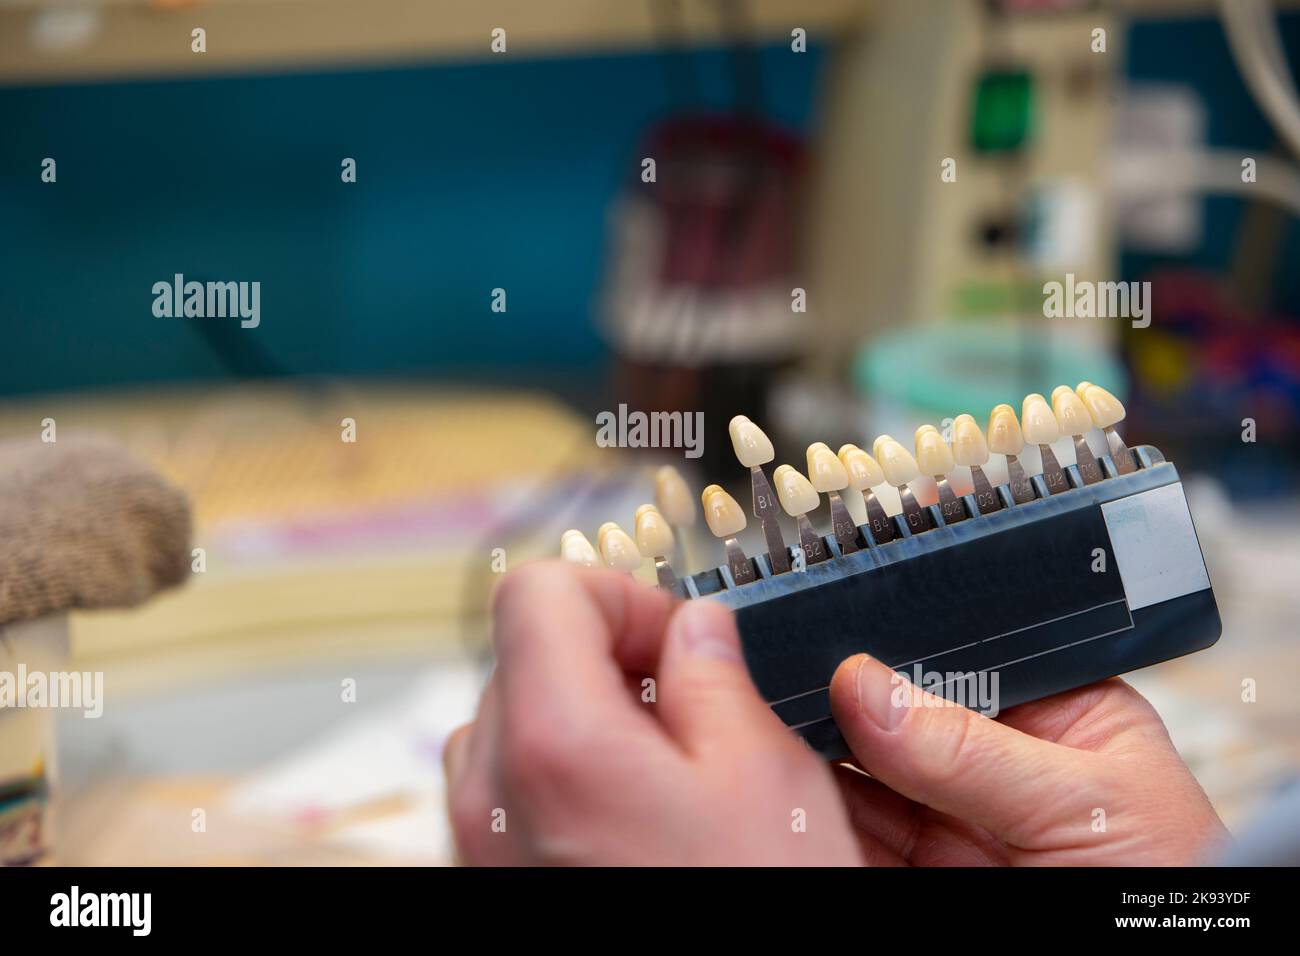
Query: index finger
(565, 634)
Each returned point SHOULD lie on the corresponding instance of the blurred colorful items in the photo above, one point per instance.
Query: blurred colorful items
(1207, 366)
(700, 299)
(705, 243)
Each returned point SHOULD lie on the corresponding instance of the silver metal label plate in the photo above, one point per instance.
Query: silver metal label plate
(1155, 546)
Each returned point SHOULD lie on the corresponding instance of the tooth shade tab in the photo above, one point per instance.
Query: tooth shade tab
(722, 513)
(933, 456)
(1037, 421)
(1071, 414)
(797, 495)
(968, 444)
(617, 549)
(896, 462)
(1005, 437)
(752, 446)
(654, 538)
(862, 469)
(1104, 408)
(673, 497)
(575, 548)
(826, 472)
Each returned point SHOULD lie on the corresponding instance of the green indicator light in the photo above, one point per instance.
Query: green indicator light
(1003, 112)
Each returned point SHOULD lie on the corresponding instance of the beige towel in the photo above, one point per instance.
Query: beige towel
(83, 525)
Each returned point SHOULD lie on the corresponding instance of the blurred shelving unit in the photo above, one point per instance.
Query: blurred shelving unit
(101, 39)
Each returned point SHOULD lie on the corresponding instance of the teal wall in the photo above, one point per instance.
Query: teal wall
(470, 176)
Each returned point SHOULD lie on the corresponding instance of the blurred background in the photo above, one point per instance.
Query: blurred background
(844, 228)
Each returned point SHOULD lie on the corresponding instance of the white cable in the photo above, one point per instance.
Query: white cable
(1257, 49)
(1141, 174)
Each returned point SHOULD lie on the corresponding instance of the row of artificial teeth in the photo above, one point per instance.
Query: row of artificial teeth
(652, 525)
(1072, 412)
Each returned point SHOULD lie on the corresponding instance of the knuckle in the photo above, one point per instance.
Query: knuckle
(537, 757)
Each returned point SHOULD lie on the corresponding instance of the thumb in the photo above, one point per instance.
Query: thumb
(707, 699)
(956, 761)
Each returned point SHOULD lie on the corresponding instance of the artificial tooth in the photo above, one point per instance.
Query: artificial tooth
(673, 497)
(1041, 428)
(653, 535)
(899, 468)
(1005, 438)
(896, 462)
(616, 548)
(863, 470)
(654, 539)
(752, 446)
(797, 494)
(1107, 411)
(864, 474)
(828, 476)
(575, 547)
(934, 457)
(1076, 421)
(798, 497)
(722, 512)
(1037, 422)
(754, 449)
(726, 519)
(826, 472)
(676, 503)
(1104, 408)
(970, 449)
(1071, 414)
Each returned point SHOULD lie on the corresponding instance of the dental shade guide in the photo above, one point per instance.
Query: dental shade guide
(1025, 608)
(829, 477)
(1107, 412)
(900, 467)
(1005, 438)
(1076, 421)
(726, 519)
(676, 503)
(864, 474)
(970, 448)
(654, 539)
(934, 457)
(798, 497)
(754, 450)
(1039, 426)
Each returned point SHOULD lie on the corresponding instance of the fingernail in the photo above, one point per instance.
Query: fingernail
(881, 694)
(454, 753)
(706, 629)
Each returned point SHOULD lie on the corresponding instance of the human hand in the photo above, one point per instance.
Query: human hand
(566, 755)
(566, 763)
(1087, 777)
